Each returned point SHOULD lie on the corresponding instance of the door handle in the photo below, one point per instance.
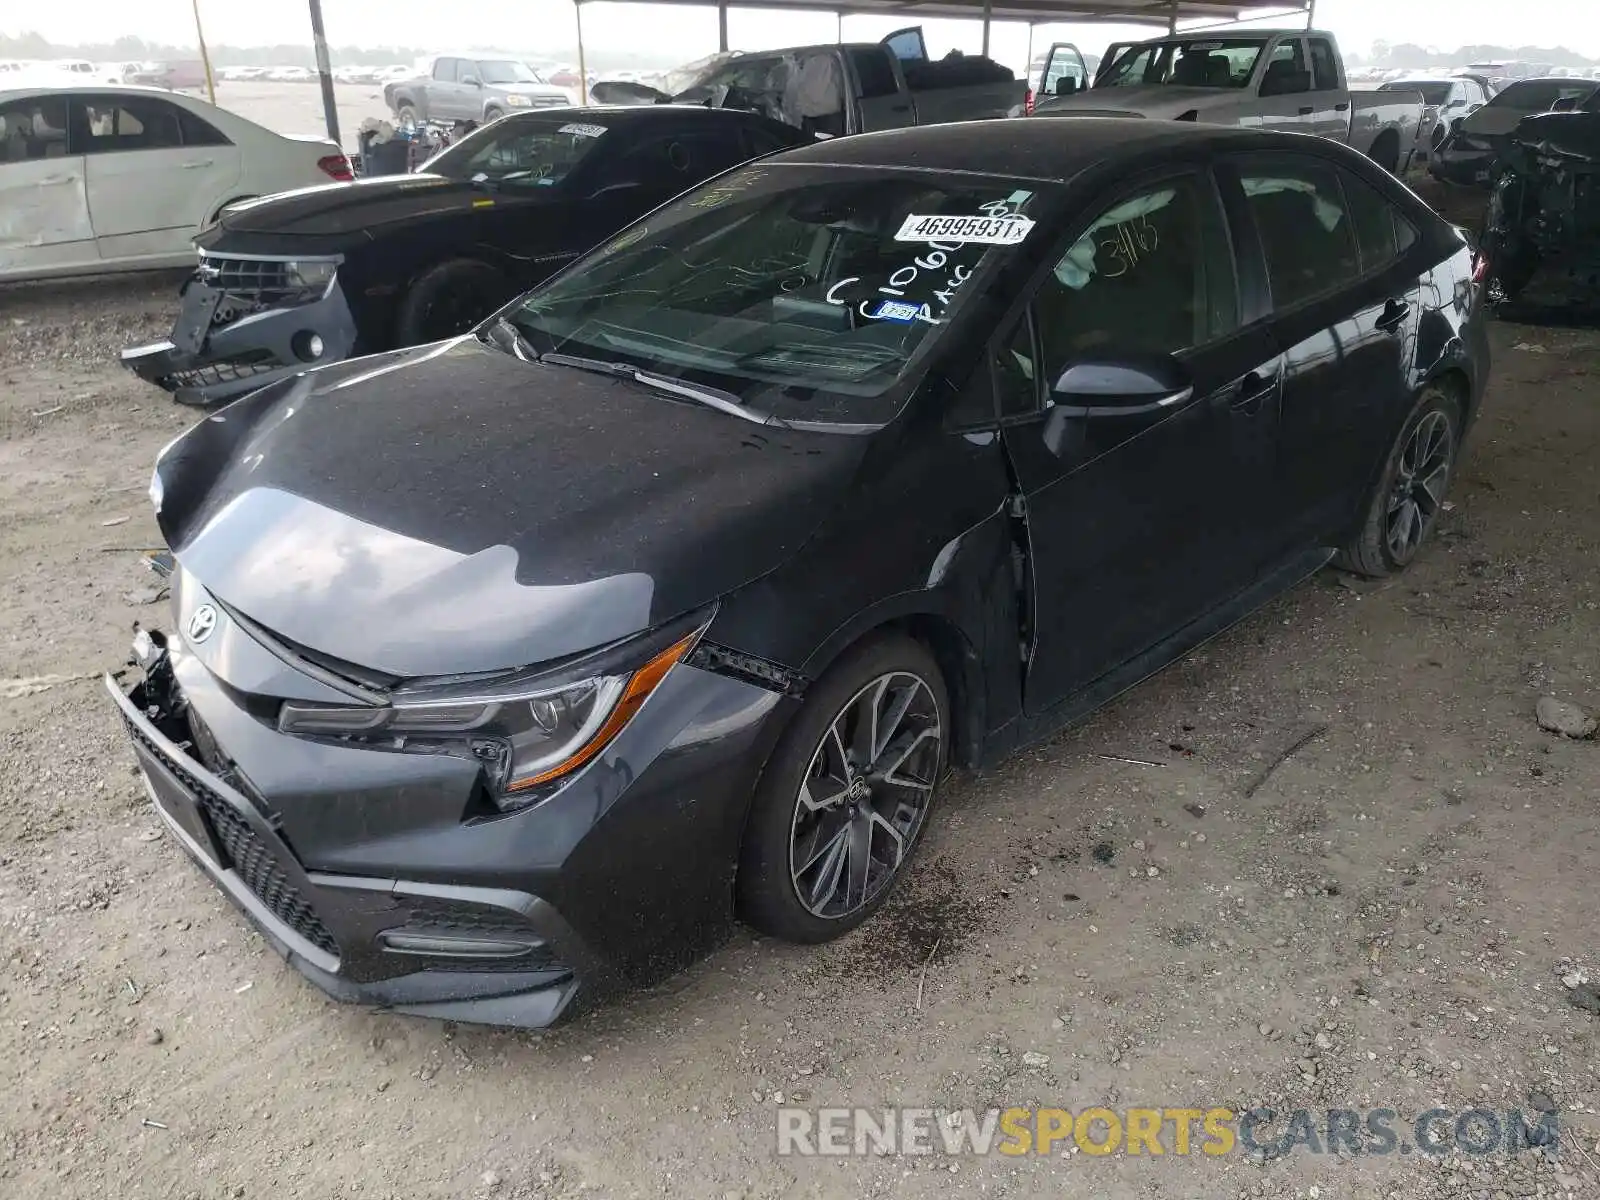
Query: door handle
(1254, 388)
(1344, 107)
(899, 108)
(1306, 112)
(1394, 316)
(198, 164)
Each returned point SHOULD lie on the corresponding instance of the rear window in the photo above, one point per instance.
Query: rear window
(520, 153)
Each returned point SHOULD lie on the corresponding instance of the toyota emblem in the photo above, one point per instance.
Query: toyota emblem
(201, 623)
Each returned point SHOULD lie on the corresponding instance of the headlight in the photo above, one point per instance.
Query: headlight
(527, 735)
(515, 101)
(312, 275)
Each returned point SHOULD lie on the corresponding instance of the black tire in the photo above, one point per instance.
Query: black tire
(1386, 152)
(493, 114)
(406, 115)
(767, 889)
(448, 300)
(1375, 551)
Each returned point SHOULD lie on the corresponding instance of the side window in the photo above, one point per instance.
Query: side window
(1152, 274)
(1286, 70)
(1016, 373)
(1405, 233)
(693, 156)
(1063, 65)
(1374, 220)
(444, 70)
(119, 125)
(1305, 230)
(874, 72)
(759, 141)
(33, 129)
(1324, 65)
(199, 132)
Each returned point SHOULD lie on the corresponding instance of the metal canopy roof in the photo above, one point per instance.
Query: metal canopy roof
(1117, 12)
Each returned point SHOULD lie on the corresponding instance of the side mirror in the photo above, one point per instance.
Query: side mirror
(470, 81)
(1132, 389)
(1472, 108)
(1066, 86)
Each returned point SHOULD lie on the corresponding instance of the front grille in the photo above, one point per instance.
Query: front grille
(257, 362)
(253, 281)
(247, 854)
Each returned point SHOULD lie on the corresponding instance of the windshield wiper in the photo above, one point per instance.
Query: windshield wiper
(722, 401)
(507, 338)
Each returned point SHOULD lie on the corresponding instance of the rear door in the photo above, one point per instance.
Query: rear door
(1113, 52)
(1139, 519)
(44, 205)
(1284, 98)
(1064, 72)
(882, 101)
(149, 193)
(445, 94)
(1330, 102)
(1344, 312)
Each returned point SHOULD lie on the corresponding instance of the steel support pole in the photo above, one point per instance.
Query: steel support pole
(330, 103)
(987, 7)
(205, 55)
(722, 26)
(583, 67)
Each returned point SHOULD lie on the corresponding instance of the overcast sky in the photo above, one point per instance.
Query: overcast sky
(688, 33)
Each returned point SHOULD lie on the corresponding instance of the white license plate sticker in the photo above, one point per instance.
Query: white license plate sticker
(987, 231)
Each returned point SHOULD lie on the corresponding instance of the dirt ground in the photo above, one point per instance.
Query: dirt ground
(1384, 920)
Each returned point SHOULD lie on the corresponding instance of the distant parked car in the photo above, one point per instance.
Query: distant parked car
(291, 75)
(185, 75)
(1468, 155)
(122, 178)
(388, 262)
(1446, 103)
(461, 88)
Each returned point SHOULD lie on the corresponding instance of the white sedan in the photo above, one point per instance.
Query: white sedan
(122, 178)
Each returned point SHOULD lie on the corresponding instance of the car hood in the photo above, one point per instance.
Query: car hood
(1137, 101)
(450, 508)
(350, 210)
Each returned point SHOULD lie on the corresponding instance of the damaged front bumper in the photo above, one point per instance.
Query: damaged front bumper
(241, 329)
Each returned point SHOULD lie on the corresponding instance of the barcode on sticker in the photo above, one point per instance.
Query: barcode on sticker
(583, 130)
(989, 231)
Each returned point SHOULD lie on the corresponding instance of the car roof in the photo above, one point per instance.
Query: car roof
(618, 115)
(1041, 147)
(71, 88)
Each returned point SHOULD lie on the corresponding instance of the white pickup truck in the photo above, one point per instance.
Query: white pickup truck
(1283, 79)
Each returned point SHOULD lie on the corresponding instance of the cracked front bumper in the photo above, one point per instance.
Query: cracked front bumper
(241, 355)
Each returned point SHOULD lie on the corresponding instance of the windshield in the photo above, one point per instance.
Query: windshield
(808, 294)
(519, 152)
(1185, 62)
(1433, 94)
(1538, 95)
(507, 72)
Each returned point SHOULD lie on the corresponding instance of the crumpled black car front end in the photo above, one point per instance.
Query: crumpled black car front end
(1544, 214)
(246, 321)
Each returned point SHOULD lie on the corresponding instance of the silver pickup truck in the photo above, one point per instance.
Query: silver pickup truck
(834, 90)
(1283, 79)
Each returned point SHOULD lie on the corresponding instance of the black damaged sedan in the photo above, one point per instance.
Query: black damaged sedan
(509, 669)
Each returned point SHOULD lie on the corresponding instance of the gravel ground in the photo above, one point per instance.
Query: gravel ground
(1389, 918)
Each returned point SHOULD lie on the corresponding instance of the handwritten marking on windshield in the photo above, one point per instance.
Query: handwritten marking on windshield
(726, 190)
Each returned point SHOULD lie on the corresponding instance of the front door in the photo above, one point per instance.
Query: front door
(1140, 521)
(44, 208)
(1330, 102)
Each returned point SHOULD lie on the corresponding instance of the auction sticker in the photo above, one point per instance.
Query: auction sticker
(988, 231)
(578, 130)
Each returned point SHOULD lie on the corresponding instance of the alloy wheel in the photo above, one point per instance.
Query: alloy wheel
(1419, 486)
(865, 795)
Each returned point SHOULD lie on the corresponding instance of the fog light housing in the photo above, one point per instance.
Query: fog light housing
(308, 346)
